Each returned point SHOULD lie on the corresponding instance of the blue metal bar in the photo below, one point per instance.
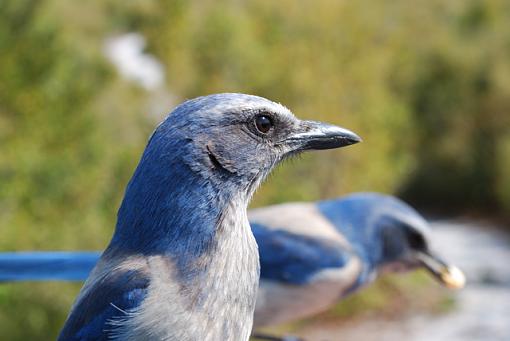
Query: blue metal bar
(46, 266)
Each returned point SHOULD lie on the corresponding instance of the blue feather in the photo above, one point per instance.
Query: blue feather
(294, 258)
(105, 303)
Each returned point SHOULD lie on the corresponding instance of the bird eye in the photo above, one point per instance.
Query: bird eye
(263, 123)
(416, 241)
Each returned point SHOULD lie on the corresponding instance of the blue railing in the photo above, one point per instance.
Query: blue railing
(46, 266)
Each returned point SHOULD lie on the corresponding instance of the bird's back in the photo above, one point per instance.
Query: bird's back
(306, 265)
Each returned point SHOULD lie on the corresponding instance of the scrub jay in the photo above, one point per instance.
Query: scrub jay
(182, 263)
(312, 255)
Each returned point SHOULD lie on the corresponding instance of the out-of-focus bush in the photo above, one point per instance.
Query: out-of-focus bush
(64, 153)
(63, 162)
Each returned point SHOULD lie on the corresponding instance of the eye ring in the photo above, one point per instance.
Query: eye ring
(263, 123)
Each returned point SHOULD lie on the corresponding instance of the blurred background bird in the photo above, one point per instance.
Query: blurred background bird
(314, 254)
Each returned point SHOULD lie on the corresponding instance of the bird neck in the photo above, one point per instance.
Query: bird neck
(355, 223)
(202, 233)
(170, 209)
(226, 279)
(185, 300)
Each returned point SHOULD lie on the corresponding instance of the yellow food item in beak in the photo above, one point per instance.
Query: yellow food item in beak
(452, 277)
(449, 275)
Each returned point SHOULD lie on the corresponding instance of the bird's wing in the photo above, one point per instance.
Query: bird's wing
(295, 258)
(109, 300)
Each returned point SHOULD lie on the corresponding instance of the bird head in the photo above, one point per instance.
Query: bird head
(236, 139)
(406, 245)
(209, 153)
(388, 235)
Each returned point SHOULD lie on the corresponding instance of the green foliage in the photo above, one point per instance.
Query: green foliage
(425, 84)
(34, 311)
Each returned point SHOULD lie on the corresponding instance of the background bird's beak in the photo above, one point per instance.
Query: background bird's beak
(318, 135)
(448, 275)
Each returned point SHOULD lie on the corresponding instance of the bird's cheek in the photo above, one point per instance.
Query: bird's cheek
(220, 158)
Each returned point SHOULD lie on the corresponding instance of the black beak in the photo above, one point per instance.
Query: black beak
(448, 275)
(318, 135)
